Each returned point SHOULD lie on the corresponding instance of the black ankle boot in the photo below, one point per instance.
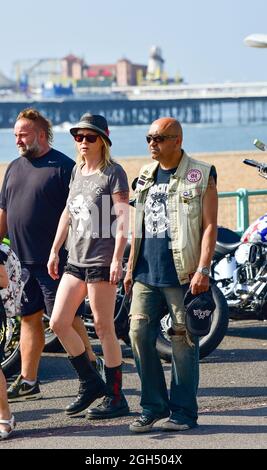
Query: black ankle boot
(114, 403)
(91, 384)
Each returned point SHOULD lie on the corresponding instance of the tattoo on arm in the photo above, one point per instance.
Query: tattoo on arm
(122, 196)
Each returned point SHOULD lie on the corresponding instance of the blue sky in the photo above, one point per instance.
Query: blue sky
(202, 40)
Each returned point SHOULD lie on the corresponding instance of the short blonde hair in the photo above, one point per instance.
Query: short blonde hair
(106, 156)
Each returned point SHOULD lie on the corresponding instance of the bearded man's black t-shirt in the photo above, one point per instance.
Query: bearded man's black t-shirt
(34, 194)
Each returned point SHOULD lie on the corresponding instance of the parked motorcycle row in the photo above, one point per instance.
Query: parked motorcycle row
(239, 286)
(239, 265)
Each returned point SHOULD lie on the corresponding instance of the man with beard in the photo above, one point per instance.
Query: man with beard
(33, 196)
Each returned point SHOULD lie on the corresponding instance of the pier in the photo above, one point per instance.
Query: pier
(141, 105)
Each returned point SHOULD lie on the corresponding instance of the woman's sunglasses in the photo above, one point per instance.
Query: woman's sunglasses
(88, 137)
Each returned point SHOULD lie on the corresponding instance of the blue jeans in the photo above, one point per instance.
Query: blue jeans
(146, 312)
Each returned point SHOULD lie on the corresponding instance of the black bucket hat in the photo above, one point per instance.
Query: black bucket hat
(96, 122)
(199, 309)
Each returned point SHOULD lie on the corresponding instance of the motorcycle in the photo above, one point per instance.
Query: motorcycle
(239, 265)
(207, 344)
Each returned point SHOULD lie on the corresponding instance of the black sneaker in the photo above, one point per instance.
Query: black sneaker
(144, 423)
(20, 390)
(109, 408)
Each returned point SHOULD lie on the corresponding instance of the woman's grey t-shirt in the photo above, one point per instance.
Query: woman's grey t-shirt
(91, 238)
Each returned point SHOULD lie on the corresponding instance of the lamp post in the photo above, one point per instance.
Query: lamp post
(256, 40)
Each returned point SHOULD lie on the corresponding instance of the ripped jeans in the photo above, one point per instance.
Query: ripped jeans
(146, 313)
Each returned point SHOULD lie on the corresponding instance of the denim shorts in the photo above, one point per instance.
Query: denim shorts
(89, 275)
(40, 291)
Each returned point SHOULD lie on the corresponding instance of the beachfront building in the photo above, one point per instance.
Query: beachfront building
(72, 67)
(98, 75)
(129, 73)
(72, 72)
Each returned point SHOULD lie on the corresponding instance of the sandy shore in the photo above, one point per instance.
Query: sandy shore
(232, 174)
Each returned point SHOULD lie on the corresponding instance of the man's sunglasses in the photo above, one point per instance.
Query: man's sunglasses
(159, 138)
(88, 137)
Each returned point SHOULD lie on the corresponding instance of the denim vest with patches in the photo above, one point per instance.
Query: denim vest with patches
(185, 196)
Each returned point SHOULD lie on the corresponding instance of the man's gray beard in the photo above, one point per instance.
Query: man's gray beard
(30, 152)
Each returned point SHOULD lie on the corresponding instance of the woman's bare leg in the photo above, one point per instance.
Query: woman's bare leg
(71, 292)
(102, 296)
(80, 328)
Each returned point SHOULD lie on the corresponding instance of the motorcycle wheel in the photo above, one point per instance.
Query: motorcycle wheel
(208, 343)
(11, 363)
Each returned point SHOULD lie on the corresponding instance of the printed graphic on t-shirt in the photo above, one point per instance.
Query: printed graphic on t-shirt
(80, 211)
(87, 186)
(156, 210)
(83, 209)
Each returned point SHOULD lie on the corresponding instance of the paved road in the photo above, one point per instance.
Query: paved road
(232, 401)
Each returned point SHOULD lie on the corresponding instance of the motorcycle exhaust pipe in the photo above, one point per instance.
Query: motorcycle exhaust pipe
(234, 303)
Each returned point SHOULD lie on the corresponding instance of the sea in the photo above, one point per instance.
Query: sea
(129, 141)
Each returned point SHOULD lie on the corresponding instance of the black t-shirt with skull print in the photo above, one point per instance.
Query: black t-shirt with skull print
(155, 265)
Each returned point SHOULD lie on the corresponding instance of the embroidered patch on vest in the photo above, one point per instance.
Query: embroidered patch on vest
(141, 182)
(194, 175)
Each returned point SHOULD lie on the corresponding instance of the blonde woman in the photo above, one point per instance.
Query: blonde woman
(95, 220)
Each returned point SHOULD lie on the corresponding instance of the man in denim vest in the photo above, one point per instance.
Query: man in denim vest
(172, 248)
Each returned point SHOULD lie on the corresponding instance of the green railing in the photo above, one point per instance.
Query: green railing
(242, 205)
